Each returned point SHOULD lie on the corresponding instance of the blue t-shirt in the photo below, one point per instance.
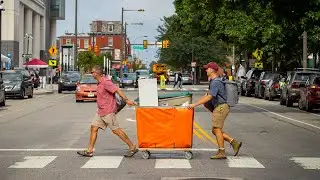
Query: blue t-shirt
(217, 90)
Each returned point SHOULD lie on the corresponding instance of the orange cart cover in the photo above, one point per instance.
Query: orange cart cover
(164, 127)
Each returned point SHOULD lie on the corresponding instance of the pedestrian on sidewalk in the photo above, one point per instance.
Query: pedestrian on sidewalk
(106, 114)
(220, 110)
(178, 80)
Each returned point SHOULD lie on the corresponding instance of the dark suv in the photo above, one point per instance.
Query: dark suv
(68, 81)
(290, 93)
(2, 92)
(251, 78)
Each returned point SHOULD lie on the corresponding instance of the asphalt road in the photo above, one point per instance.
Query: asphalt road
(39, 138)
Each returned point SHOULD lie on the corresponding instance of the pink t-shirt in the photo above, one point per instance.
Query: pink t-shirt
(106, 99)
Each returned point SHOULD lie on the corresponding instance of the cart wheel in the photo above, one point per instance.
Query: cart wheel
(188, 155)
(145, 154)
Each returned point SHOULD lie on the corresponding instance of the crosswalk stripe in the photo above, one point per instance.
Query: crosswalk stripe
(243, 162)
(103, 162)
(172, 164)
(34, 162)
(307, 162)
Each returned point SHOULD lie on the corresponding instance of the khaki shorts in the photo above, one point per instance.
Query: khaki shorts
(103, 122)
(219, 115)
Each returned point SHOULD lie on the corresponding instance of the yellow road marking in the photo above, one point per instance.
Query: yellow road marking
(199, 135)
(205, 133)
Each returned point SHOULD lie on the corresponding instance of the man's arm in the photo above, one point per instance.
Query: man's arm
(203, 100)
(123, 96)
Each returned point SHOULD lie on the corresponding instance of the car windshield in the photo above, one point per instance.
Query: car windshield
(88, 80)
(12, 76)
(142, 73)
(71, 76)
(129, 75)
(302, 76)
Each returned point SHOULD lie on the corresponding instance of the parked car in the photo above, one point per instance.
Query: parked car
(141, 74)
(17, 84)
(272, 87)
(2, 92)
(259, 88)
(128, 80)
(310, 94)
(249, 81)
(68, 81)
(86, 88)
(187, 78)
(290, 92)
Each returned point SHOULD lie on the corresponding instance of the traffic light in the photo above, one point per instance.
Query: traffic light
(89, 48)
(96, 49)
(145, 44)
(165, 44)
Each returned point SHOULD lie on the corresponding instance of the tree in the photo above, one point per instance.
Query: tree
(86, 60)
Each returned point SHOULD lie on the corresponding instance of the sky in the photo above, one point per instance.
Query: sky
(89, 10)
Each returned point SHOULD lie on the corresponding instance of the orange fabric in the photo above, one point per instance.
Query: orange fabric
(164, 127)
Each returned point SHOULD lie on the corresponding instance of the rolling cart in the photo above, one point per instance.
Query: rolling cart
(164, 129)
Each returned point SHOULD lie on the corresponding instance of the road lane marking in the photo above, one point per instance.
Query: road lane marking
(243, 162)
(284, 116)
(172, 164)
(34, 162)
(103, 162)
(307, 162)
(81, 149)
(205, 133)
(195, 132)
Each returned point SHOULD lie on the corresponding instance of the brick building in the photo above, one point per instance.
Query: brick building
(104, 34)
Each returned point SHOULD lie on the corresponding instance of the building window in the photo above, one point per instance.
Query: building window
(110, 41)
(110, 27)
(68, 41)
(78, 43)
(86, 43)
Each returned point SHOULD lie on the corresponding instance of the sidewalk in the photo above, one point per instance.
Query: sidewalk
(47, 90)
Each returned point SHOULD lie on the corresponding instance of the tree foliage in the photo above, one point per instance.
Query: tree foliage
(86, 60)
(210, 27)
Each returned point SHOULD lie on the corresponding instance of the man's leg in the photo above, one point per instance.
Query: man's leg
(93, 137)
(123, 136)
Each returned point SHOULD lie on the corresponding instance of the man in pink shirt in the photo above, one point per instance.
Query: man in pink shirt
(105, 117)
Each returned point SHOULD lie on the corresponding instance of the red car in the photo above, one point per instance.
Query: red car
(86, 88)
(310, 94)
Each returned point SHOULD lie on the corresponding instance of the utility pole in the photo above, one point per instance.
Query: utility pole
(1, 9)
(233, 61)
(76, 35)
(305, 50)
(121, 50)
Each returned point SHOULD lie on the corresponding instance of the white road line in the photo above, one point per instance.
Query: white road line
(34, 162)
(172, 164)
(284, 116)
(80, 149)
(103, 162)
(131, 120)
(243, 162)
(307, 162)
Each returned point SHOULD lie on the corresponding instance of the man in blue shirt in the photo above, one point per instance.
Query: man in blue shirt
(218, 97)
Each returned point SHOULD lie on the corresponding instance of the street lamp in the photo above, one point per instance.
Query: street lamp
(76, 35)
(1, 9)
(124, 40)
(28, 36)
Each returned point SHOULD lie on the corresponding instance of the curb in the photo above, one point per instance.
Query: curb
(43, 93)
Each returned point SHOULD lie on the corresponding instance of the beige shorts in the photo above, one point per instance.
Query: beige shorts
(219, 115)
(103, 122)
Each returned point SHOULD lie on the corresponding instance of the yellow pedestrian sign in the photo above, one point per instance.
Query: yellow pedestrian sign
(258, 54)
(52, 62)
(53, 51)
(258, 65)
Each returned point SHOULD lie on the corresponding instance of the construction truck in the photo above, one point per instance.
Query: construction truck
(160, 69)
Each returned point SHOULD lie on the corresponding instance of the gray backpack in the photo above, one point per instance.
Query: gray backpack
(231, 88)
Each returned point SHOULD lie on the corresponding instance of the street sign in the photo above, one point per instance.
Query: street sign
(53, 51)
(138, 47)
(258, 65)
(258, 54)
(193, 64)
(52, 62)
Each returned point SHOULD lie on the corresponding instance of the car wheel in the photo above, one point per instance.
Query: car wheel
(22, 94)
(59, 90)
(289, 102)
(31, 94)
(3, 103)
(308, 106)
(282, 101)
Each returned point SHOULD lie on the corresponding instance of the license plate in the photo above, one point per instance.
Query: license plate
(90, 95)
